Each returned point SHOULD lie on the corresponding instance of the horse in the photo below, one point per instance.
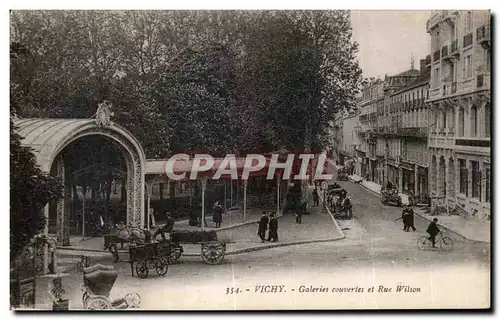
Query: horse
(124, 234)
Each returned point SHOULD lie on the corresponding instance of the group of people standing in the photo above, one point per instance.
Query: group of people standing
(266, 222)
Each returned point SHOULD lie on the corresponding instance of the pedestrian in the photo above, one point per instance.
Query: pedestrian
(433, 230)
(264, 220)
(316, 196)
(411, 219)
(273, 228)
(217, 216)
(404, 217)
(300, 212)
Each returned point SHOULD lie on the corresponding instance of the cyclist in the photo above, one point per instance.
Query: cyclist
(433, 230)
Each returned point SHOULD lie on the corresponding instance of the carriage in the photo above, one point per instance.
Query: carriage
(98, 280)
(341, 209)
(149, 256)
(342, 175)
(212, 250)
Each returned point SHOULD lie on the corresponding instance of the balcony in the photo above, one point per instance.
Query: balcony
(468, 40)
(436, 55)
(483, 81)
(444, 51)
(428, 61)
(483, 36)
(446, 54)
(454, 49)
(453, 87)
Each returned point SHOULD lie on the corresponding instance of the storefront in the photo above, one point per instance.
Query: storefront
(408, 180)
(393, 174)
(422, 184)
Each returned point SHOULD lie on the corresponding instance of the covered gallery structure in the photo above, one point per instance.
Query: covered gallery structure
(56, 144)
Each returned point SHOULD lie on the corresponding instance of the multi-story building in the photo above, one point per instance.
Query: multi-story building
(460, 112)
(406, 139)
(371, 99)
(389, 145)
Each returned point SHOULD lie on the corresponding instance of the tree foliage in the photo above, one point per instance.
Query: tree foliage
(220, 81)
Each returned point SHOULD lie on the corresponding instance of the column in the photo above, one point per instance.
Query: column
(469, 178)
(203, 188)
(278, 182)
(400, 179)
(245, 182)
(149, 190)
(46, 247)
(416, 182)
(62, 214)
(467, 118)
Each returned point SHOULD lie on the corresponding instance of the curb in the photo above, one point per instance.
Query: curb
(331, 216)
(447, 229)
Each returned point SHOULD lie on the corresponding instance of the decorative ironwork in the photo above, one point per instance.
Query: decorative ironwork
(483, 36)
(473, 143)
(480, 80)
(454, 87)
(468, 40)
(437, 55)
(444, 51)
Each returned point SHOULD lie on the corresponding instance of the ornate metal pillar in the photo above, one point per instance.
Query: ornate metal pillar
(62, 220)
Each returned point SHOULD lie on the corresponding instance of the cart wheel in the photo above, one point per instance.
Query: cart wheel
(98, 303)
(175, 254)
(141, 269)
(213, 253)
(161, 266)
(133, 300)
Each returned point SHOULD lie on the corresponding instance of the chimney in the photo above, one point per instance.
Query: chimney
(422, 67)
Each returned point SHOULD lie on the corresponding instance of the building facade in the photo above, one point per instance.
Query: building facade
(371, 99)
(460, 112)
(389, 146)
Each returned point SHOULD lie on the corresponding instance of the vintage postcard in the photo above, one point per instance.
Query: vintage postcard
(250, 159)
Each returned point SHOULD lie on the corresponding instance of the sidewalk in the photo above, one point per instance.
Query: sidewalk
(472, 230)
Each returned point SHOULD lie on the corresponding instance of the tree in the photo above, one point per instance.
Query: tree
(30, 191)
(30, 188)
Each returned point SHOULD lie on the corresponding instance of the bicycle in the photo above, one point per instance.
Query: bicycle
(445, 243)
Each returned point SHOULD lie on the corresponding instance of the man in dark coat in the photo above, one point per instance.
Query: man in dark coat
(404, 217)
(264, 220)
(300, 211)
(433, 230)
(316, 196)
(411, 219)
(217, 215)
(273, 228)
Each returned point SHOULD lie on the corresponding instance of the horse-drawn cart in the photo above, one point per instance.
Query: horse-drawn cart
(149, 256)
(212, 250)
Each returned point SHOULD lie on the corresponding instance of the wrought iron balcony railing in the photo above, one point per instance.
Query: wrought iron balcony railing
(437, 55)
(468, 40)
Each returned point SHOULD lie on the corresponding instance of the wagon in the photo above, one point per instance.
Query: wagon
(212, 250)
(149, 256)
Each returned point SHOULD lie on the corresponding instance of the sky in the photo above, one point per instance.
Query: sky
(387, 40)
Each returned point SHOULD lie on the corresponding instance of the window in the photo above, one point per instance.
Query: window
(461, 123)
(438, 41)
(488, 181)
(487, 124)
(473, 121)
(436, 77)
(442, 122)
(476, 180)
(464, 180)
(468, 67)
(468, 22)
